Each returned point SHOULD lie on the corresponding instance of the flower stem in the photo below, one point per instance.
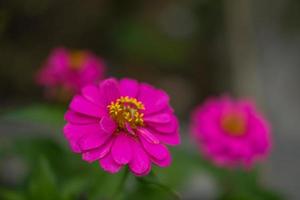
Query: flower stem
(121, 185)
(153, 180)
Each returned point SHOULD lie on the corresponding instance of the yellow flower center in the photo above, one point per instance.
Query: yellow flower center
(76, 59)
(234, 124)
(126, 111)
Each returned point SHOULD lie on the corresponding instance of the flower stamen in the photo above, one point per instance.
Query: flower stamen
(234, 124)
(126, 110)
(76, 59)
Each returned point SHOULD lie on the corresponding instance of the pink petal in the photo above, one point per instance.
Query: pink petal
(77, 118)
(59, 58)
(91, 93)
(145, 173)
(98, 153)
(171, 139)
(109, 89)
(108, 125)
(109, 165)
(77, 131)
(70, 132)
(148, 135)
(74, 146)
(129, 129)
(167, 128)
(140, 162)
(83, 106)
(158, 118)
(162, 101)
(164, 162)
(158, 151)
(153, 99)
(129, 87)
(87, 136)
(91, 142)
(121, 149)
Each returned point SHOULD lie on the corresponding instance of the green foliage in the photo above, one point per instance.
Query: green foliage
(42, 183)
(56, 173)
(37, 113)
(147, 191)
(11, 195)
(73, 188)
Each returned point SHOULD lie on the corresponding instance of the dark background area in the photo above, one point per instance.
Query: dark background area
(146, 40)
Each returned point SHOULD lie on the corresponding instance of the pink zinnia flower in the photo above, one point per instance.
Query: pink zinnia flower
(122, 123)
(231, 133)
(66, 72)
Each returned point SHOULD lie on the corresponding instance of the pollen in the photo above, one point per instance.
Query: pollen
(127, 111)
(234, 124)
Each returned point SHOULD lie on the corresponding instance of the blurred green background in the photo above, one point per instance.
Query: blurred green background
(193, 49)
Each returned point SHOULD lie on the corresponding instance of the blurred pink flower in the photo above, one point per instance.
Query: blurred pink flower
(122, 123)
(231, 133)
(65, 72)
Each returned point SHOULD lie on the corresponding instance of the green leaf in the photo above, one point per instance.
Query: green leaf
(42, 183)
(11, 195)
(31, 148)
(74, 187)
(103, 185)
(39, 113)
(176, 174)
(244, 185)
(147, 191)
